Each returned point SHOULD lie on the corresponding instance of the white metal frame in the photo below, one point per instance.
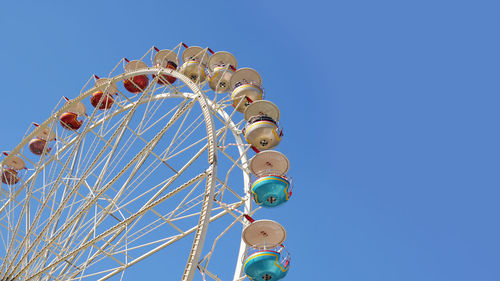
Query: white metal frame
(208, 108)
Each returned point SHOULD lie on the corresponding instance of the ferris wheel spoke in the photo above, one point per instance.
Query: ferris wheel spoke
(59, 210)
(180, 204)
(128, 107)
(223, 187)
(81, 253)
(152, 106)
(194, 143)
(186, 207)
(167, 158)
(175, 176)
(204, 271)
(121, 130)
(165, 128)
(236, 163)
(97, 203)
(151, 146)
(103, 170)
(203, 263)
(188, 216)
(117, 227)
(90, 259)
(159, 119)
(228, 127)
(68, 205)
(162, 246)
(37, 217)
(119, 156)
(169, 181)
(181, 216)
(137, 135)
(60, 152)
(143, 231)
(26, 206)
(176, 135)
(178, 144)
(66, 182)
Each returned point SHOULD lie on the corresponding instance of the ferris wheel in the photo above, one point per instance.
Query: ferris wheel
(152, 159)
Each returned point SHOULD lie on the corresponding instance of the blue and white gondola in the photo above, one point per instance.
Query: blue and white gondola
(266, 258)
(272, 187)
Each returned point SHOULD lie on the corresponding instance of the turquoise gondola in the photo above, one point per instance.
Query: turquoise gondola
(271, 191)
(266, 265)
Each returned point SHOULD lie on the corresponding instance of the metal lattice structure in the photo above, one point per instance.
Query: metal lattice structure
(153, 169)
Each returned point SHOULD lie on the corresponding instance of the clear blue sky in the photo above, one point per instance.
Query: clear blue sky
(390, 111)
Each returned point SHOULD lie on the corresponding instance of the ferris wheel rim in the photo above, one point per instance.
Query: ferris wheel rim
(120, 77)
(155, 70)
(197, 95)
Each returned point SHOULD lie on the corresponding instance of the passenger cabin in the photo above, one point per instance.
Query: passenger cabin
(102, 98)
(69, 120)
(10, 169)
(272, 186)
(262, 130)
(166, 59)
(221, 67)
(138, 83)
(266, 258)
(39, 144)
(246, 85)
(194, 60)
